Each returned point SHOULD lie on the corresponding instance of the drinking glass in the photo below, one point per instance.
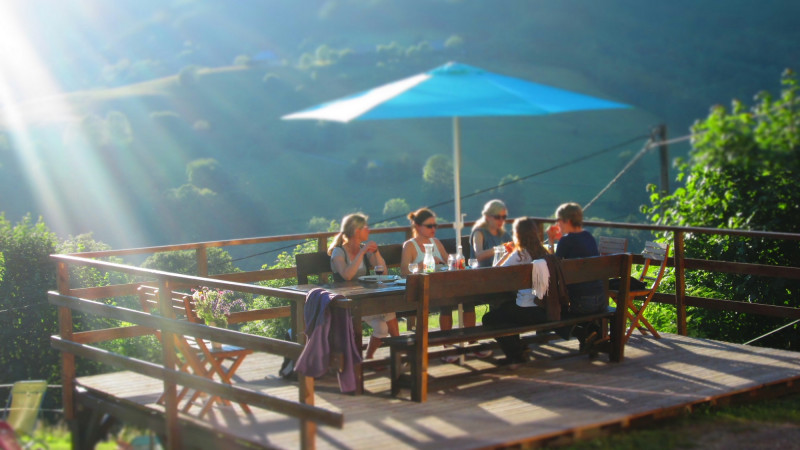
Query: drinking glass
(413, 267)
(473, 263)
(451, 262)
(379, 271)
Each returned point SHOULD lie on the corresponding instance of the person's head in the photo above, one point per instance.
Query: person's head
(526, 237)
(493, 216)
(353, 226)
(423, 222)
(571, 213)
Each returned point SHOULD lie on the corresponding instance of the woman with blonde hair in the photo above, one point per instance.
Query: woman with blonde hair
(350, 252)
(489, 231)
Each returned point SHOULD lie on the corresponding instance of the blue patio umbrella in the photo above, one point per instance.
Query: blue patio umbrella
(454, 90)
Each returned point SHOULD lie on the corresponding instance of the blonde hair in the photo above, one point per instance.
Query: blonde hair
(491, 208)
(350, 224)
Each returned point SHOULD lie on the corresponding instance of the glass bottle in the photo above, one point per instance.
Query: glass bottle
(428, 261)
(460, 258)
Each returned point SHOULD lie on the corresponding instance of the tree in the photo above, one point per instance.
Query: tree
(185, 262)
(395, 207)
(742, 174)
(205, 173)
(438, 173)
(26, 318)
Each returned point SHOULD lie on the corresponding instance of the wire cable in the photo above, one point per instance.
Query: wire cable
(489, 189)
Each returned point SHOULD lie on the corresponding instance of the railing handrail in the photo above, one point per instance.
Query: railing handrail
(169, 281)
(406, 229)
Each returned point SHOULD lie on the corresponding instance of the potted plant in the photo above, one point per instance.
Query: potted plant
(214, 305)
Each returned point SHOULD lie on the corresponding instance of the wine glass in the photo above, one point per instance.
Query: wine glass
(413, 267)
(379, 271)
(473, 263)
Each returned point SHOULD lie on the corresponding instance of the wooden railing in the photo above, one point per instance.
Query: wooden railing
(84, 299)
(72, 344)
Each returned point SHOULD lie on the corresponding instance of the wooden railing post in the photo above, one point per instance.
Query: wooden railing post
(65, 329)
(322, 244)
(169, 354)
(202, 261)
(680, 283)
(308, 428)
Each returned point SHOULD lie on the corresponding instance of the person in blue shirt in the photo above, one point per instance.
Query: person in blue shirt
(575, 242)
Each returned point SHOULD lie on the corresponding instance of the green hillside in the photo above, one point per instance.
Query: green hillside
(115, 154)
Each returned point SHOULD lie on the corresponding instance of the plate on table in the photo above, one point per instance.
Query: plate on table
(377, 278)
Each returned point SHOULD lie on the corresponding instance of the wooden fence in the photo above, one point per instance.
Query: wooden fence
(91, 300)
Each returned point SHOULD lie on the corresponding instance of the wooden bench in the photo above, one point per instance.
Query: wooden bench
(491, 285)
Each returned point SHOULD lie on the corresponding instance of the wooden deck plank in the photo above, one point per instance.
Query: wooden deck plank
(545, 399)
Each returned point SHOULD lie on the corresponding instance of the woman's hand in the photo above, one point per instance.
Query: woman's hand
(369, 247)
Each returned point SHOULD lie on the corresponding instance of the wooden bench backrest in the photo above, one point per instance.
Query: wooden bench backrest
(462, 283)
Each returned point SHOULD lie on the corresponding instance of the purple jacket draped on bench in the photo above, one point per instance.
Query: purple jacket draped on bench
(329, 330)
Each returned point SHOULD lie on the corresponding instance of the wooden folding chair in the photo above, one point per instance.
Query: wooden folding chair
(611, 245)
(215, 357)
(196, 355)
(23, 409)
(654, 253)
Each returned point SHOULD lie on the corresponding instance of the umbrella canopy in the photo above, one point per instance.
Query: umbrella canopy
(454, 90)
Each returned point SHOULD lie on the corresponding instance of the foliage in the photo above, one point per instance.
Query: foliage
(741, 174)
(277, 328)
(214, 305)
(438, 173)
(185, 262)
(26, 318)
(206, 174)
(395, 207)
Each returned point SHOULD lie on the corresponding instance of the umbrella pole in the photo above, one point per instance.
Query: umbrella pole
(458, 222)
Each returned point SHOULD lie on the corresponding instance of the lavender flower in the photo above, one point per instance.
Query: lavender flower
(214, 305)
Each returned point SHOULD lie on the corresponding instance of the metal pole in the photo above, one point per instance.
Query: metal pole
(663, 151)
(458, 223)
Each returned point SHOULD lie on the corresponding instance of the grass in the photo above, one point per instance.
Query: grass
(729, 425)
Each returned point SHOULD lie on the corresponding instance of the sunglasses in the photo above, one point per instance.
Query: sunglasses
(432, 226)
(499, 217)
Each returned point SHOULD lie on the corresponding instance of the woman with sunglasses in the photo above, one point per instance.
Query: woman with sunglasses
(489, 231)
(423, 228)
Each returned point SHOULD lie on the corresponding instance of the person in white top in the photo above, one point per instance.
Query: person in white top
(423, 226)
(528, 248)
(348, 251)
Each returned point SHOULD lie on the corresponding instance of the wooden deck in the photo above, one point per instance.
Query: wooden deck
(557, 397)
